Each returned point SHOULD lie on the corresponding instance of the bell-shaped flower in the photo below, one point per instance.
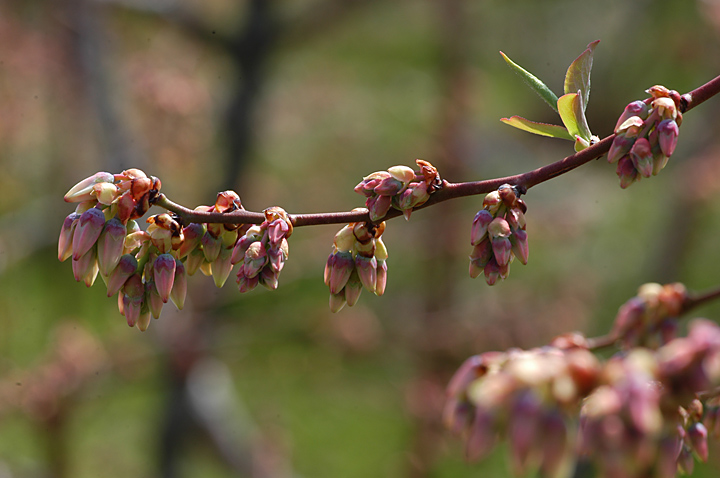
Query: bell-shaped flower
(83, 191)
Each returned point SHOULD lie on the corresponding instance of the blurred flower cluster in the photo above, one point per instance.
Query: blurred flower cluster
(641, 413)
(399, 187)
(650, 318)
(358, 260)
(149, 268)
(498, 235)
(645, 135)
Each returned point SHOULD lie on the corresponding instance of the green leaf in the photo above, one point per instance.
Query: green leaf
(570, 108)
(543, 129)
(577, 77)
(534, 82)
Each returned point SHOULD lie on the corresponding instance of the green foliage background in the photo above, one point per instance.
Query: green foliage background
(359, 393)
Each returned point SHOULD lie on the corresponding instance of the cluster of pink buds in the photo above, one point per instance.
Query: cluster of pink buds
(646, 134)
(650, 318)
(498, 235)
(529, 397)
(209, 247)
(399, 187)
(644, 420)
(358, 260)
(263, 251)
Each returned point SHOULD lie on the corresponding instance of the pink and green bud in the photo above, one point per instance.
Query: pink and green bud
(344, 240)
(492, 272)
(499, 227)
(66, 236)
(179, 290)
(665, 107)
(192, 235)
(342, 267)
(125, 207)
(519, 242)
(241, 247)
(402, 173)
(480, 226)
(626, 171)
(635, 109)
(194, 260)
(659, 161)
(337, 301)
(353, 289)
(222, 267)
(685, 461)
(126, 267)
(642, 157)
(502, 249)
(255, 259)
(277, 230)
(378, 206)
(504, 270)
(86, 268)
(381, 280)
(516, 218)
(277, 259)
(105, 193)
(492, 202)
(133, 298)
(554, 444)
(367, 270)
(110, 245)
(620, 147)
(381, 252)
(144, 319)
(211, 246)
(245, 283)
(328, 269)
(164, 275)
(697, 433)
(524, 429)
(389, 187)
(87, 231)
(268, 278)
(667, 136)
(83, 191)
(153, 300)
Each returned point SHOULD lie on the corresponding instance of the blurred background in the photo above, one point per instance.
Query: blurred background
(291, 103)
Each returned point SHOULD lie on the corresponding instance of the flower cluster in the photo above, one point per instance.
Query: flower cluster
(263, 251)
(645, 135)
(650, 318)
(528, 396)
(498, 235)
(358, 260)
(149, 268)
(635, 415)
(399, 187)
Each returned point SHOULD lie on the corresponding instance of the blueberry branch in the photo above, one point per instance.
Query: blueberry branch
(522, 182)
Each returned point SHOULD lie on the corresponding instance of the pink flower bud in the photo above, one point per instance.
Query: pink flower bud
(492, 202)
(499, 227)
(328, 269)
(697, 433)
(554, 443)
(337, 301)
(241, 247)
(482, 435)
(110, 245)
(87, 231)
(666, 108)
(85, 268)
(193, 262)
(620, 147)
(479, 226)
(133, 298)
(389, 187)
(516, 218)
(502, 248)
(492, 272)
(367, 270)
(144, 319)
(636, 108)
(126, 267)
(153, 300)
(378, 206)
(222, 267)
(381, 280)
(343, 265)
(83, 190)
(126, 207)
(353, 289)
(642, 157)
(211, 246)
(519, 241)
(66, 236)
(192, 234)
(685, 461)
(164, 275)
(268, 278)
(179, 290)
(245, 283)
(255, 259)
(277, 259)
(668, 132)
(105, 193)
(626, 171)
(524, 428)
